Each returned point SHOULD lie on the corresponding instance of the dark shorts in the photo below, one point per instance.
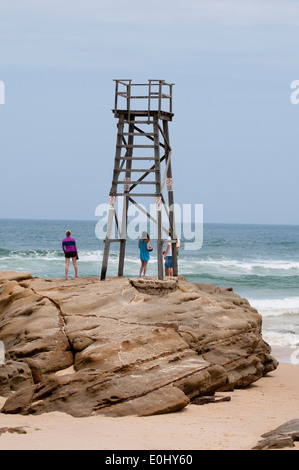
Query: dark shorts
(71, 254)
(168, 262)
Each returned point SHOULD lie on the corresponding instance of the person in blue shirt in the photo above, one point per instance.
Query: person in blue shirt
(144, 248)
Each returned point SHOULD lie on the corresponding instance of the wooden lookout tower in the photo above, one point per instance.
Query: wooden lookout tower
(142, 161)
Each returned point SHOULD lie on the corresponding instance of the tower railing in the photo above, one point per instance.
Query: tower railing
(154, 96)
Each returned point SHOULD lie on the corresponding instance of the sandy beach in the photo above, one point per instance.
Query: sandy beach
(233, 425)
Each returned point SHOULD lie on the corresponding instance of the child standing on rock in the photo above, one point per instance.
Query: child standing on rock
(145, 249)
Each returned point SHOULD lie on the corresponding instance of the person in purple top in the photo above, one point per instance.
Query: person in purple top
(70, 251)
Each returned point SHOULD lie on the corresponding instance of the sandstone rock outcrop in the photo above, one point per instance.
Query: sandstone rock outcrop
(135, 346)
(283, 436)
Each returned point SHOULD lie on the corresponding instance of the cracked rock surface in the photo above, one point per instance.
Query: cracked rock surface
(123, 346)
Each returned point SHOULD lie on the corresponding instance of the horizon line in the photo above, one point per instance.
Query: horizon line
(95, 219)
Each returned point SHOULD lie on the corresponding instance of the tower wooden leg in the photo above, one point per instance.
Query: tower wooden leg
(122, 250)
(107, 244)
(159, 247)
(105, 259)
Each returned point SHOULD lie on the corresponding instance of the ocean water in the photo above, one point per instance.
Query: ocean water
(260, 262)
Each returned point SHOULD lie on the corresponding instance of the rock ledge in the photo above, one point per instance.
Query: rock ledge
(123, 346)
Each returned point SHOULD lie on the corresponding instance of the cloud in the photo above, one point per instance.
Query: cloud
(93, 33)
(166, 12)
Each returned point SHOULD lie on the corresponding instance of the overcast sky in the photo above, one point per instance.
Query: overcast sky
(235, 131)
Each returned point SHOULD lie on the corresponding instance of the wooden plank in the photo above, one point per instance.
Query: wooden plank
(123, 81)
(139, 134)
(116, 222)
(171, 203)
(105, 260)
(140, 122)
(116, 95)
(121, 262)
(158, 193)
(135, 158)
(165, 138)
(107, 244)
(135, 183)
(117, 155)
(137, 194)
(160, 98)
(139, 146)
(136, 170)
(122, 249)
(120, 169)
(137, 97)
(168, 159)
(129, 100)
(149, 99)
(142, 114)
